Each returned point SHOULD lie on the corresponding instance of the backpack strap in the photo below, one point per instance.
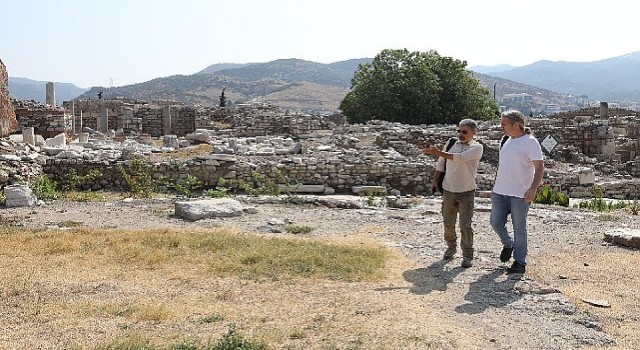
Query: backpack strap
(450, 143)
(503, 140)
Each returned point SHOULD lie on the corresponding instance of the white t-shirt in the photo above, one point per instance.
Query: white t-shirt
(515, 167)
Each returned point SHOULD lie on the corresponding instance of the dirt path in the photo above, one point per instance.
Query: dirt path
(506, 311)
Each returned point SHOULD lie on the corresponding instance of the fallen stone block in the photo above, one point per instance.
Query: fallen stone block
(19, 196)
(622, 236)
(208, 208)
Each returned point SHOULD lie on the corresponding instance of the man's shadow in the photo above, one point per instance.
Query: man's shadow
(434, 277)
(488, 292)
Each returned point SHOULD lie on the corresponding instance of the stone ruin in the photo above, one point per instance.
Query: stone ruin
(8, 122)
(303, 153)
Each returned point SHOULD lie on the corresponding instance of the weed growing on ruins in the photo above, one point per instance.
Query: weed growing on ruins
(548, 196)
(221, 190)
(188, 185)
(372, 198)
(44, 188)
(600, 204)
(139, 181)
(298, 229)
(634, 208)
(73, 181)
(90, 196)
(212, 318)
(603, 205)
(289, 189)
(262, 186)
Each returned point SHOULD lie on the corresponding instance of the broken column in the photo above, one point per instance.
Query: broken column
(103, 121)
(83, 137)
(166, 120)
(50, 98)
(28, 136)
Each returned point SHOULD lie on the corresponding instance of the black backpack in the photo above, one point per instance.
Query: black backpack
(438, 187)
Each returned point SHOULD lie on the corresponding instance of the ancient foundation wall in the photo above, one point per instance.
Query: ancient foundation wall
(45, 122)
(408, 178)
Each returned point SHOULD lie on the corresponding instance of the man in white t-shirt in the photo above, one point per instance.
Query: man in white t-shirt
(520, 172)
(458, 188)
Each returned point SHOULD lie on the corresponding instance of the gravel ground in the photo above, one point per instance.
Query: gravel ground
(509, 311)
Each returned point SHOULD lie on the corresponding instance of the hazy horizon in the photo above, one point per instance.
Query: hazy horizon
(127, 42)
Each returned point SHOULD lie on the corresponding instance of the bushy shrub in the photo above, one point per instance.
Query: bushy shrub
(44, 188)
(548, 196)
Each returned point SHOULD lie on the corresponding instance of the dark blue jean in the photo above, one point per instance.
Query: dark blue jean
(501, 207)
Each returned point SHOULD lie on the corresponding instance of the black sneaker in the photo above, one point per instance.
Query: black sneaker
(516, 267)
(505, 254)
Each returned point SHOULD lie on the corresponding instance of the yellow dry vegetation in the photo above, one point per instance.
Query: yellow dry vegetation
(83, 288)
(613, 277)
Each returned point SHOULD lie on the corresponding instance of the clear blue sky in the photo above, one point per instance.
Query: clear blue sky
(121, 42)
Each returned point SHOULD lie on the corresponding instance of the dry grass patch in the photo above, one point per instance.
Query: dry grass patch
(613, 276)
(201, 149)
(89, 196)
(85, 288)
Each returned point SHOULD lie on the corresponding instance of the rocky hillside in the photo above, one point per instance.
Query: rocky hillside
(292, 84)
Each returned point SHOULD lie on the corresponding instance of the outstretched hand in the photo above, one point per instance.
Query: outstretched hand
(430, 151)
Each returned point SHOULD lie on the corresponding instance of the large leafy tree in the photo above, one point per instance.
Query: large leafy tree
(416, 88)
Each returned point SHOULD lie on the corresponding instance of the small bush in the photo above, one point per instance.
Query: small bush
(262, 186)
(212, 318)
(548, 196)
(220, 191)
(298, 229)
(73, 181)
(139, 180)
(236, 341)
(44, 188)
(188, 185)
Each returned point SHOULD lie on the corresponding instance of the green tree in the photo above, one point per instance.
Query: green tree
(416, 88)
(223, 98)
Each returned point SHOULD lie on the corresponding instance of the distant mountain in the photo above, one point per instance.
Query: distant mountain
(308, 86)
(222, 66)
(290, 83)
(609, 79)
(492, 69)
(27, 89)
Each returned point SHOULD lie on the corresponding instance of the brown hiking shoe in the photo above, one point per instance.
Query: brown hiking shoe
(449, 253)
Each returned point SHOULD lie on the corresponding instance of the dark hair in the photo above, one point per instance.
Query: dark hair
(516, 117)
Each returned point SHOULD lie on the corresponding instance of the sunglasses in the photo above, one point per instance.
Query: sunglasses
(463, 132)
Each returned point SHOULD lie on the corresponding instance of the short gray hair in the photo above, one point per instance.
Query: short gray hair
(470, 123)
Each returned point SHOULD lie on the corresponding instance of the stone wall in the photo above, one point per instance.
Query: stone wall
(335, 172)
(8, 123)
(340, 156)
(47, 122)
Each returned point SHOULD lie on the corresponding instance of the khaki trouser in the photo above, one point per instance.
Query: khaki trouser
(462, 204)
